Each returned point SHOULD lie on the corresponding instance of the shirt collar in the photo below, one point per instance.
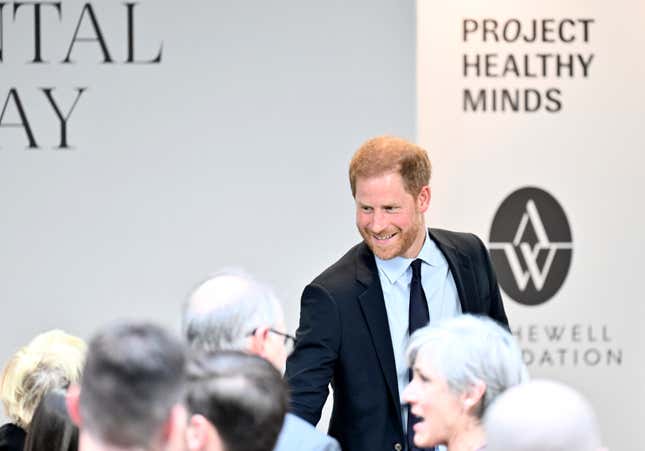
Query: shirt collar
(395, 267)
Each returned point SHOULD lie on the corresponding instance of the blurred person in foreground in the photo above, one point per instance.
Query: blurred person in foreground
(231, 311)
(459, 367)
(51, 427)
(51, 360)
(131, 391)
(542, 415)
(238, 402)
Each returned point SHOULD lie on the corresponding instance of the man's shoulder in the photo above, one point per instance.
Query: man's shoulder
(344, 269)
(464, 242)
(297, 434)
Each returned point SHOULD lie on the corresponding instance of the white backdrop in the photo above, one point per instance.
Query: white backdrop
(583, 145)
(233, 150)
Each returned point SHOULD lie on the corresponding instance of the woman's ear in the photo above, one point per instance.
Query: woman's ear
(472, 397)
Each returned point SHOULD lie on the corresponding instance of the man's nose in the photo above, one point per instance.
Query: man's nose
(379, 221)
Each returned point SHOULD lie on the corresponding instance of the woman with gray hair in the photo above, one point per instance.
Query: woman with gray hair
(459, 367)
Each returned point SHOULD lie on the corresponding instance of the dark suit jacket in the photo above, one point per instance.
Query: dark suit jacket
(344, 338)
(12, 437)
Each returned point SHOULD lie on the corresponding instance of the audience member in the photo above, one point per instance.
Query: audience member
(51, 427)
(131, 391)
(231, 311)
(238, 402)
(541, 415)
(459, 367)
(51, 360)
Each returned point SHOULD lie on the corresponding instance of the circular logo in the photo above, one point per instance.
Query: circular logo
(530, 246)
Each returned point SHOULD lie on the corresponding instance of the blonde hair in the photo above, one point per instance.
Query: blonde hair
(53, 359)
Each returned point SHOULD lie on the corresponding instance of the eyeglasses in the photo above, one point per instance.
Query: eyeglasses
(289, 340)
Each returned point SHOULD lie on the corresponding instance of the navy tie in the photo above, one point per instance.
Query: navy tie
(419, 316)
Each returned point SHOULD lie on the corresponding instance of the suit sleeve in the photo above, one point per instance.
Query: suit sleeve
(310, 367)
(496, 307)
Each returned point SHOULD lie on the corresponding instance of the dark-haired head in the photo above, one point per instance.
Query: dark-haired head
(243, 397)
(132, 386)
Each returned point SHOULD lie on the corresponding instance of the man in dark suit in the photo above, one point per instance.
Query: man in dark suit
(355, 316)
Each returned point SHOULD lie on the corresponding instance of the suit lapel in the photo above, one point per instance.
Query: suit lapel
(373, 307)
(462, 273)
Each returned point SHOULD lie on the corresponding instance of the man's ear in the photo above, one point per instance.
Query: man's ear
(201, 435)
(175, 426)
(258, 341)
(423, 199)
(473, 396)
(72, 401)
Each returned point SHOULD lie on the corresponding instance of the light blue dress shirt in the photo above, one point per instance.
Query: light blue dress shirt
(441, 293)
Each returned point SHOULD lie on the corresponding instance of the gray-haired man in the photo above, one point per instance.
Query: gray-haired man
(231, 311)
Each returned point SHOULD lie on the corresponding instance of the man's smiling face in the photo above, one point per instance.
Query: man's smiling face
(389, 218)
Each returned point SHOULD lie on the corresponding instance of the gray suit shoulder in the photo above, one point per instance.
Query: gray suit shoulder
(297, 434)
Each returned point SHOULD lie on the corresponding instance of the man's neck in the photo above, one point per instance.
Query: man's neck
(88, 443)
